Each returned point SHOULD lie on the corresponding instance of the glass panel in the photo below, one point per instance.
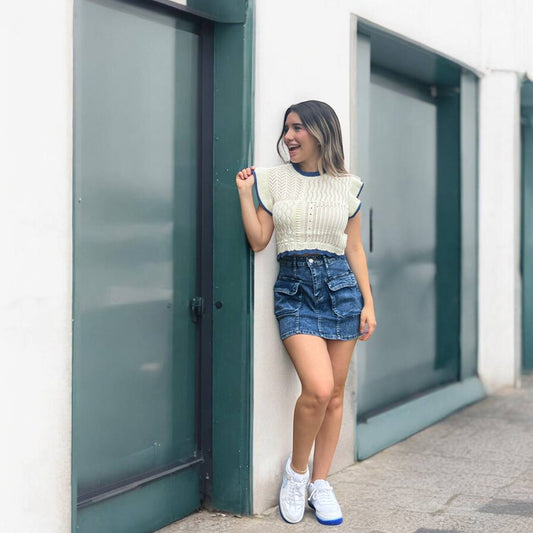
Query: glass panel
(136, 153)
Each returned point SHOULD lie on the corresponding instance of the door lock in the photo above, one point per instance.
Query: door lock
(197, 308)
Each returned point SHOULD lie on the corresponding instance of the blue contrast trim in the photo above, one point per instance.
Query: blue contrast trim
(296, 167)
(362, 185)
(257, 193)
(356, 211)
(316, 251)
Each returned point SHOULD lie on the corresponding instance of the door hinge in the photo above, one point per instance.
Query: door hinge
(197, 308)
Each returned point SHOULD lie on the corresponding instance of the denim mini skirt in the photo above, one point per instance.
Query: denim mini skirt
(317, 295)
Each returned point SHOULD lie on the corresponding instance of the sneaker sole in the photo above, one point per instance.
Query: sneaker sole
(334, 522)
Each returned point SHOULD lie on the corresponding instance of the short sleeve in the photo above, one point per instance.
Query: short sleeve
(262, 189)
(355, 187)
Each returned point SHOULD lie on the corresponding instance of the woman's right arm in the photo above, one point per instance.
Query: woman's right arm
(258, 225)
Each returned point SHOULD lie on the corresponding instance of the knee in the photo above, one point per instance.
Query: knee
(320, 395)
(337, 399)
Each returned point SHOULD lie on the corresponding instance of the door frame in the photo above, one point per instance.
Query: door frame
(225, 358)
(526, 115)
(418, 62)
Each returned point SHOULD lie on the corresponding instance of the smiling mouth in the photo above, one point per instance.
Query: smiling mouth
(293, 149)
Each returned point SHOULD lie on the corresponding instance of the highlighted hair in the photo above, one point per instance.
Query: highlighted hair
(322, 123)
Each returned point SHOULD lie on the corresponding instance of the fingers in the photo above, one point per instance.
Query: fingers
(245, 173)
(367, 327)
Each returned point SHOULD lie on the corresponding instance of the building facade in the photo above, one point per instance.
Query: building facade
(143, 360)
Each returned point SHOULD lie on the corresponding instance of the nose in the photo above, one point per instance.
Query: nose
(288, 136)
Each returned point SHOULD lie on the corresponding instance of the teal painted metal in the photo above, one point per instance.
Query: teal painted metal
(387, 428)
(469, 225)
(232, 340)
(362, 150)
(448, 249)
(403, 195)
(527, 226)
(402, 89)
(135, 271)
(159, 496)
(234, 11)
(412, 59)
(232, 270)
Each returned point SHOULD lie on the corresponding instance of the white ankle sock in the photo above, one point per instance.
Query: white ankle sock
(298, 476)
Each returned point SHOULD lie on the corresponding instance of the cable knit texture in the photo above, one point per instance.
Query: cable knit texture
(310, 211)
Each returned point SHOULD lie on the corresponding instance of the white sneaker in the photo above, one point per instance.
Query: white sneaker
(322, 500)
(292, 494)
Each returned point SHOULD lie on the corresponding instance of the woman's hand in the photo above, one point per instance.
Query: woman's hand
(245, 179)
(368, 322)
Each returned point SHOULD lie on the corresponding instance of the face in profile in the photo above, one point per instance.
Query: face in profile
(302, 146)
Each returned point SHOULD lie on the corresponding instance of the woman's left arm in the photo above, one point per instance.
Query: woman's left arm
(355, 254)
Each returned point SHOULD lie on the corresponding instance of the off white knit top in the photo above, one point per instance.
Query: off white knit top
(310, 210)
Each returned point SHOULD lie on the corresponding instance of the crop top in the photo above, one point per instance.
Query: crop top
(310, 210)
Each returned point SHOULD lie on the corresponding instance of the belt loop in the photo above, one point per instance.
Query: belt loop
(326, 265)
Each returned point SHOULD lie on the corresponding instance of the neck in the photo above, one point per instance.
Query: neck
(308, 166)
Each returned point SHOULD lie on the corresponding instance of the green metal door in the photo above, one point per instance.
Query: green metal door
(138, 455)
(527, 226)
(401, 212)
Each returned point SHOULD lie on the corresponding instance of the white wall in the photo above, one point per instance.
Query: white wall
(35, 222)
(295, 60)
(499, 231)
(302, 52)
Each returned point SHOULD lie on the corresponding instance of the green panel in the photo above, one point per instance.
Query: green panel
(222, 10)
(527, 226)
(136, 174)
(396, 53)
(419, 112)
(232, 339)
(469, 227)
(363, 117)
(392, 426)
(402, 195)
(448, 232)
(168, 499)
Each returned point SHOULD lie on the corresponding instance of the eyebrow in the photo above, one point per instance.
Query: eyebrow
(294, 124)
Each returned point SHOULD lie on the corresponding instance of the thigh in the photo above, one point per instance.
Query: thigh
(312, 362)
(340, 353)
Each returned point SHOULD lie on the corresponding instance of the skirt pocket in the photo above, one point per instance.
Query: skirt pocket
(346, 299)
(287, 297)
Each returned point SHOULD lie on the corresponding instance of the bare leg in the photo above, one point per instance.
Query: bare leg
(311, 359)
(340, 353)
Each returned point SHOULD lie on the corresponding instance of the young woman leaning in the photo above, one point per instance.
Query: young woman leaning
(322, 296)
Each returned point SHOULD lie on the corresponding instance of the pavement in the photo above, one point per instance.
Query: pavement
(471, 472)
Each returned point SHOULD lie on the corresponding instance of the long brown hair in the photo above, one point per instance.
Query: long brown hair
(322, 123)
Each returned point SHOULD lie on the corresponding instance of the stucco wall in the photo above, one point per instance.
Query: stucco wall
(303, 52)
(35, 306)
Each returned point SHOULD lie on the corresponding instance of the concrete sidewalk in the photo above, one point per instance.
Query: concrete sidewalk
(471, 472)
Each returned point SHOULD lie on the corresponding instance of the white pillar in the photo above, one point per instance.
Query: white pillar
(499, 230)
(35, 281)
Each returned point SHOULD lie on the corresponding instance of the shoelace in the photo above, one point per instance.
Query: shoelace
(296, 490)
(324, 493)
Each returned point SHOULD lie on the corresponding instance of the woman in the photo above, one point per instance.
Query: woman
(322, 296)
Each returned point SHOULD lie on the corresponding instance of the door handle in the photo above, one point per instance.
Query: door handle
(197, 308)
